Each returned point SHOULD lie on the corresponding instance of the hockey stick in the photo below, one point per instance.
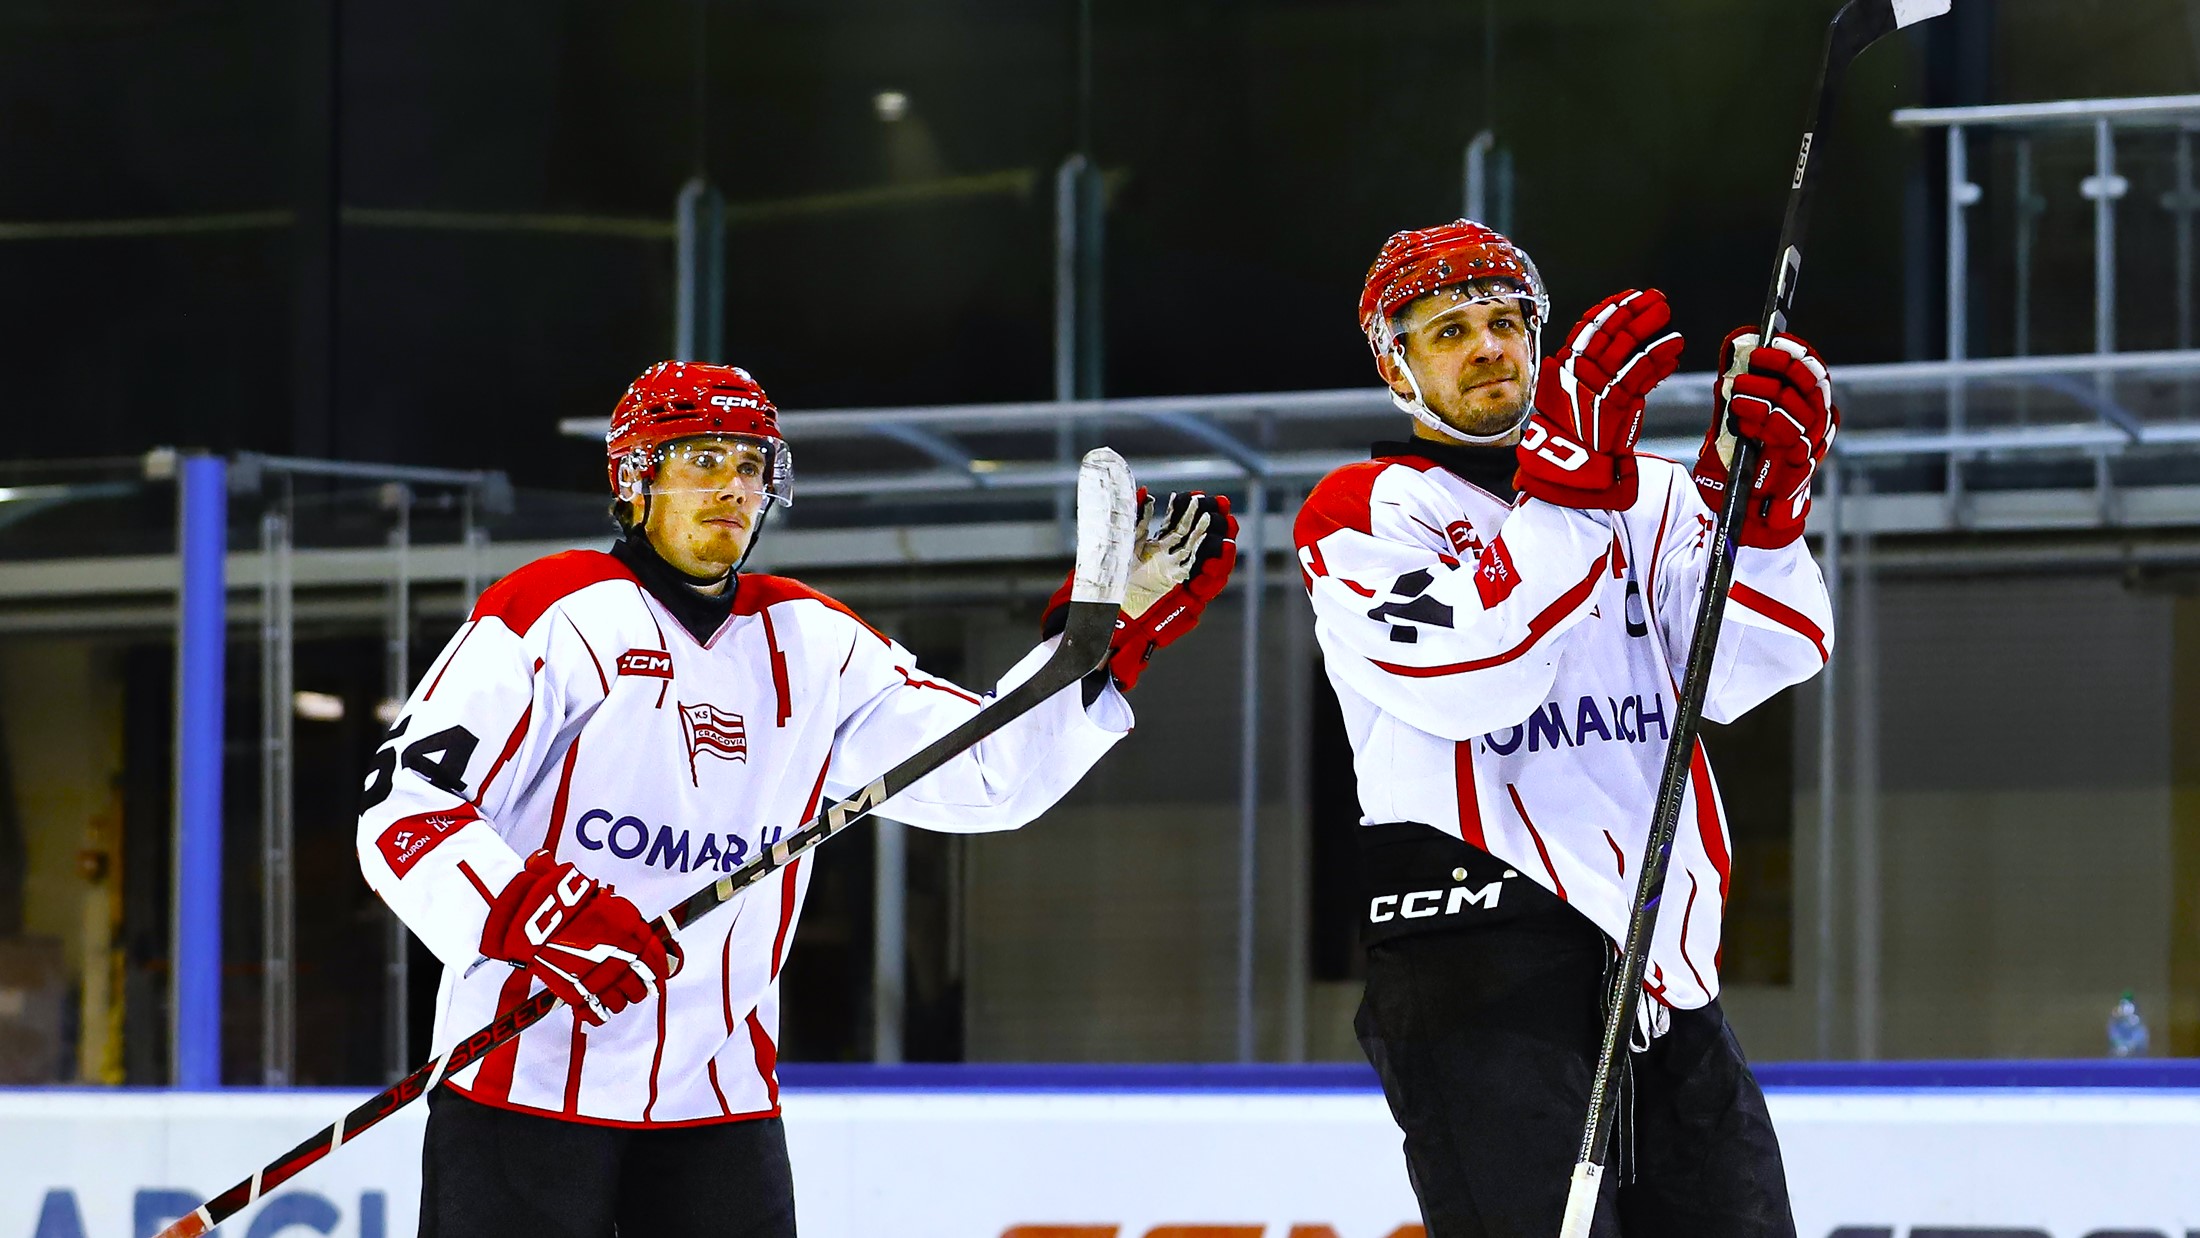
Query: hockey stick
(1858, 25)
(1106, 503)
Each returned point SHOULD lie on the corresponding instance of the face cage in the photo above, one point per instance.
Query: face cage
(1416, 406)
(641, 470)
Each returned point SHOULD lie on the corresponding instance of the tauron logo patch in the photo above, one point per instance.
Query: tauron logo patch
(409, 838)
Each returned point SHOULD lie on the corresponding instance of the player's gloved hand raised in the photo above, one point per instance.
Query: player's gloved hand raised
(1178, 567)
(1781, 396)
(585, 943)
(1578, 448)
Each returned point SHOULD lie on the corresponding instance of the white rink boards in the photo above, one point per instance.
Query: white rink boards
(986, 1163)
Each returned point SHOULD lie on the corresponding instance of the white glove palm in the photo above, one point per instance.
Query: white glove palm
(1162, 560)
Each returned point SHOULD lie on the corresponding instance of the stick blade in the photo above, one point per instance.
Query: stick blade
(1911, 12)
(1107, 507)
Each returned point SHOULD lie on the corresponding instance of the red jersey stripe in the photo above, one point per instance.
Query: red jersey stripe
(573, 1068)
(1538, 628)
(767, 1058)
(1470, 803)
(1781, 613)
(1687, 913)
(657, 1060)
(429, 695)
(779, 668)
(593, 660)
(495, 1080)
(511, 747)
(557, 807)
(1707, 817)
(786, 914)
(1541, 851)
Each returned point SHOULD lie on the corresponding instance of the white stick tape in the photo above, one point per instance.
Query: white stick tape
(1107, 507)
(1911, 12)
(1581, 1201)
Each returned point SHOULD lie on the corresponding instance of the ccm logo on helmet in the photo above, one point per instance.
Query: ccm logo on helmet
(735, 401)
(1563, 452)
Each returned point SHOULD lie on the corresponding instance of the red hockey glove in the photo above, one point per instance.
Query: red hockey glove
(1578, 449)
(1177, 570)
(1782, 397)
(585, 943)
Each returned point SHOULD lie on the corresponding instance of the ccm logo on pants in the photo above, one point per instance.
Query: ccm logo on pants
(1422, 904)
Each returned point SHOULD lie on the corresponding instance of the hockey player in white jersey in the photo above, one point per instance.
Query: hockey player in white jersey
(609, 731)
(1507, 661)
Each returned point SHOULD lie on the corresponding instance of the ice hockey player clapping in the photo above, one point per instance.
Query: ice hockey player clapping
(1504, 603)
(637, 723)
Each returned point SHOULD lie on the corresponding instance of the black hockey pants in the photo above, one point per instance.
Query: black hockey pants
(494, 1173)
(1485, 1037)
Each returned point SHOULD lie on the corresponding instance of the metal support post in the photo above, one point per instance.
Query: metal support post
(278, 875)
(1477, 175)
(1068, 328)
(699, 309)
(1829, 768)
(202, 545)
(397, 666)
(1863, 644)
(1962, 194)
(1252, 537)
(2029, 206)
(889, 940)
(2103, 188)
(1297, 675)
(2182, 201)
(475, 539)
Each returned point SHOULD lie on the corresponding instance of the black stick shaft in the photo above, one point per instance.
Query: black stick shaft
(1854, 28)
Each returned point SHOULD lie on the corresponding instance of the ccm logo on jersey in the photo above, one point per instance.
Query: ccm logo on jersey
(410, 838)
(655, 663)
(714, 732)
(1421, 904)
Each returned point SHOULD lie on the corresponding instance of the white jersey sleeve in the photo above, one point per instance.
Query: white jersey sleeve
(1003, 782)
(1778, 626)
(498, 704)
(1452, 648)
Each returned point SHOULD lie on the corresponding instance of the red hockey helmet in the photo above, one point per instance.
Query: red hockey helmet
(1417, 262)
(677, 400)
(1470, 263)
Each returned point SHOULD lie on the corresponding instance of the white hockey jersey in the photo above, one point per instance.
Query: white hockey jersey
(574, 711)
(1509, 674)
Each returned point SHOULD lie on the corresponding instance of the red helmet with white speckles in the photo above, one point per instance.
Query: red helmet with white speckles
(677, 401)
(1468, 262)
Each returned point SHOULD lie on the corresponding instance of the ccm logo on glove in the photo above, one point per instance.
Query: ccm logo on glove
(582, 940)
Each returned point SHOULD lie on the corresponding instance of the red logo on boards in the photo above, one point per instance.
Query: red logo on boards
(712, 731)
(1495, 577)
(655, 663)
(410, 838)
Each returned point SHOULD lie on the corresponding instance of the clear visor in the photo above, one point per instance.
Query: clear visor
(730, 464)
(1426, 311)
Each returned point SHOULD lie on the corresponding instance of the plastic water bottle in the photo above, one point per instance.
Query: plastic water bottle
(2127, 1032)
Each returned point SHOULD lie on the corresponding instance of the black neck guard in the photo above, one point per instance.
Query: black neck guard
(700, 613)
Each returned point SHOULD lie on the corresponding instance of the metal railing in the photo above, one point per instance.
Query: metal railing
(2105, 188)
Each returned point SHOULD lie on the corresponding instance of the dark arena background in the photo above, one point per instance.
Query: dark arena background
(315, 312)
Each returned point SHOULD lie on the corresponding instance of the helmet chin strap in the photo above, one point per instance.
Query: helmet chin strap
(763, 512)
(1417, 406)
